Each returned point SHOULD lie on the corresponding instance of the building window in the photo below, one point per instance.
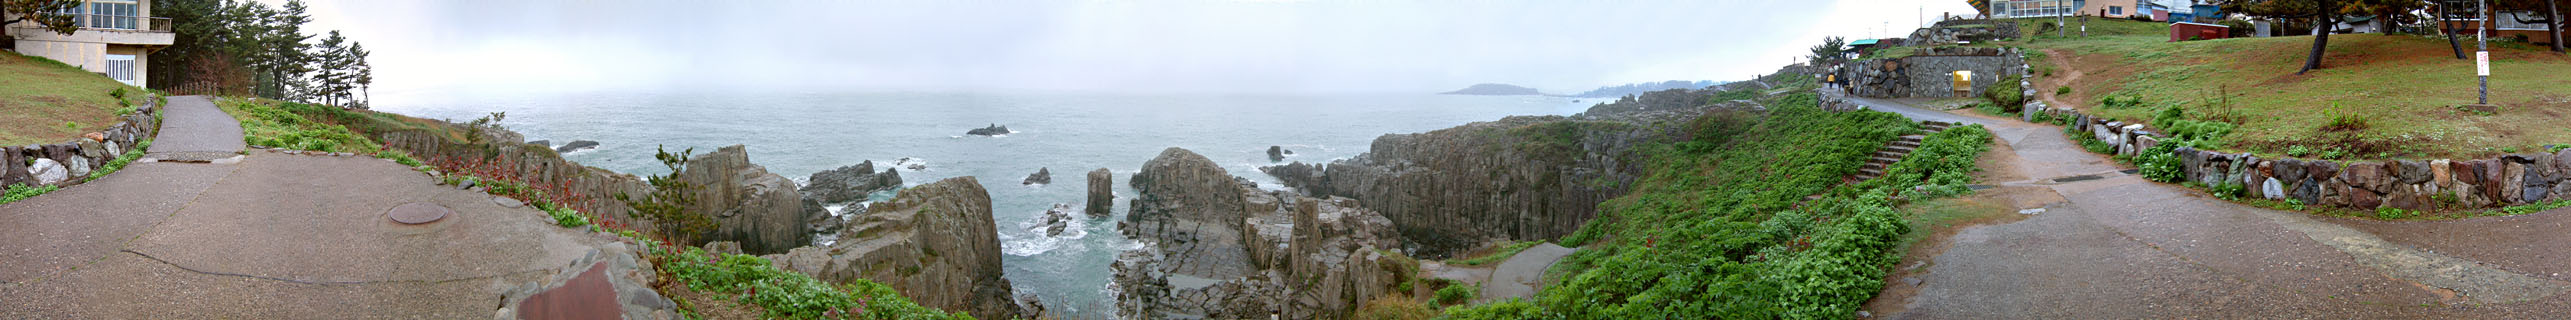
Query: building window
(113, 15)
(121, 67)
(2115, 10)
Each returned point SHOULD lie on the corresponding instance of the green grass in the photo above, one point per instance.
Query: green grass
(2404, 86)
(278, 124)
(1726, 232)
(1501, 253)
(41, 96)
(22, 192)
(120, 162)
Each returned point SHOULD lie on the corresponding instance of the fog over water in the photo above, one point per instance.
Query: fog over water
(450, 47)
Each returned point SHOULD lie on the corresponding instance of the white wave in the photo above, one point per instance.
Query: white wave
(1033, 241)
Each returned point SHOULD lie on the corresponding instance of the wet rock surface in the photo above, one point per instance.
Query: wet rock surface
(761, 210)
(1102, 193)
(1217, 247)
(850, 183)
(935, 243)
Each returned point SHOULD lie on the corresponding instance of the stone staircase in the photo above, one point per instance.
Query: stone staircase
(1895, 151)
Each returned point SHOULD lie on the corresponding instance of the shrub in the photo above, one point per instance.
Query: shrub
(2391, 213)
(2342, 120)
(1395, 306)
(2297, 151)
(2240, 28)
(667, 204)
(1458, 293)
(2063, 90)
(2007, 94)
(2120, 101)
(786, 294)
(2161, 162)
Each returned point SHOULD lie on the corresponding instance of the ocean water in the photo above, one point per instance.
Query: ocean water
(797, 134)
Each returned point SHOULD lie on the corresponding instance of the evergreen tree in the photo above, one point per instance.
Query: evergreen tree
(51, 14)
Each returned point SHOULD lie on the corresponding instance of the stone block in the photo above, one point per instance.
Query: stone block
(2511, 182)
(2361, 198)
(2334, 192)
(2368, 175)
(2289, 169)
(13, 167)
(2441, 174)
(2309, 191)
(2273, 189)
(2466, 173)
(48, 172)
(2410, 172)
(2536, 187)
(2191, 164)
(2243, 166)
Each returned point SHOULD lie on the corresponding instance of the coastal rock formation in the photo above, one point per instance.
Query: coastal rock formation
(542, 143)
(1278, 153)
(1042, 176)
(935, 243)
(1524, 177)
(993, 130)
(1102, 193)
(1055, 220)
(576, 145)
(850, 183)
(1217, 247)
(750, 205)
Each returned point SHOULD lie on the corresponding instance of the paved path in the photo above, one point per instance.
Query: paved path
(1522, 274)
(193, 129)
(273, 236)
(2111, 245)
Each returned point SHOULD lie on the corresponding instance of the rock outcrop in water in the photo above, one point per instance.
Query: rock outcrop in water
(1278, 153)
(993, 130)
(935, 243)
(1102, 193)
(1042, 176)
(576, 145)
(759, 209)
(1217, 247)
(850, 183)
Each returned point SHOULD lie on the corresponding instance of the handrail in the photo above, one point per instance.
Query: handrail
(92, 21)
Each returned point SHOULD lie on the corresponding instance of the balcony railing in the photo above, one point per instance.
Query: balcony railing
(117, 22)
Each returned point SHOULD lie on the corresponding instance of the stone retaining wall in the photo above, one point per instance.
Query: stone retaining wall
(1928, 72)
(68, 162)
(2505, 180)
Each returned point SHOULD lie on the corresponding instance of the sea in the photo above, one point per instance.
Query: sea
(795, 134)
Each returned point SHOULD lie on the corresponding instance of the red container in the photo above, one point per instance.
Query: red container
(2182, 31)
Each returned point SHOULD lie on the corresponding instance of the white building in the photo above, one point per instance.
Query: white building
(116, 39)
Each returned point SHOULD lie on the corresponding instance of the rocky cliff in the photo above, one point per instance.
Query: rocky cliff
(935, 243)
(1520, 178)
(761, 210)
(1217, 247)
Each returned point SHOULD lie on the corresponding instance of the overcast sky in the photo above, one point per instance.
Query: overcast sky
(1091, 46)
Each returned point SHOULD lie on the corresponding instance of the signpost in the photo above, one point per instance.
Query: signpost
(2482, 53)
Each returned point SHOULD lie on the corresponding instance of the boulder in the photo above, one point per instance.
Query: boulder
(1042, 176)
(2406, 197)
(993, 130)
(1056, 220)
(2361, 198)
(761, 210)
(2273, 189)
(2308, 191)
(2289, 169)
(2562, 166)
(2369, 175)
(1102, 193)
(79, 167)
(13, 167)
(2511, 181)
(91, 149)
(2536, 187)
(935, 243)
(576, 145)
(2411, 172)
(2441, 174)
(48, 172)
(850, 183)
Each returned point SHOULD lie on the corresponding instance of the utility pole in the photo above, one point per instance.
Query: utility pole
(2482, 47)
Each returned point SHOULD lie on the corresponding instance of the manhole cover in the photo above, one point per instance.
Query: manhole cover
(418, 213)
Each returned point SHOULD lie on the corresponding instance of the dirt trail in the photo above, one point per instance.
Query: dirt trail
(2068, 77)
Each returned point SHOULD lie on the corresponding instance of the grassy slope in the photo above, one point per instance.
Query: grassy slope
(1720, 226)
(38, 96)
(2404, 85)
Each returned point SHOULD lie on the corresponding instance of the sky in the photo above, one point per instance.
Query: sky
(1126, 46)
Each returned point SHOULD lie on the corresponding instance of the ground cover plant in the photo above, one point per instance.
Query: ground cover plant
(1728, 232)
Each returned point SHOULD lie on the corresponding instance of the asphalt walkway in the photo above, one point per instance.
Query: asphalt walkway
(275, 236)
(2113, 245)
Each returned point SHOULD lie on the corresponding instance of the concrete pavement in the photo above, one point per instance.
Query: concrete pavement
(2112, 245)
(273, 235)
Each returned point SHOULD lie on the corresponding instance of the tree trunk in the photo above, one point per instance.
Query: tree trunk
(2553, 22)
(2451, 42)
(2321, 26)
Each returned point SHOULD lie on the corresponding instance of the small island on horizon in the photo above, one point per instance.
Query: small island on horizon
(1495, 89)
